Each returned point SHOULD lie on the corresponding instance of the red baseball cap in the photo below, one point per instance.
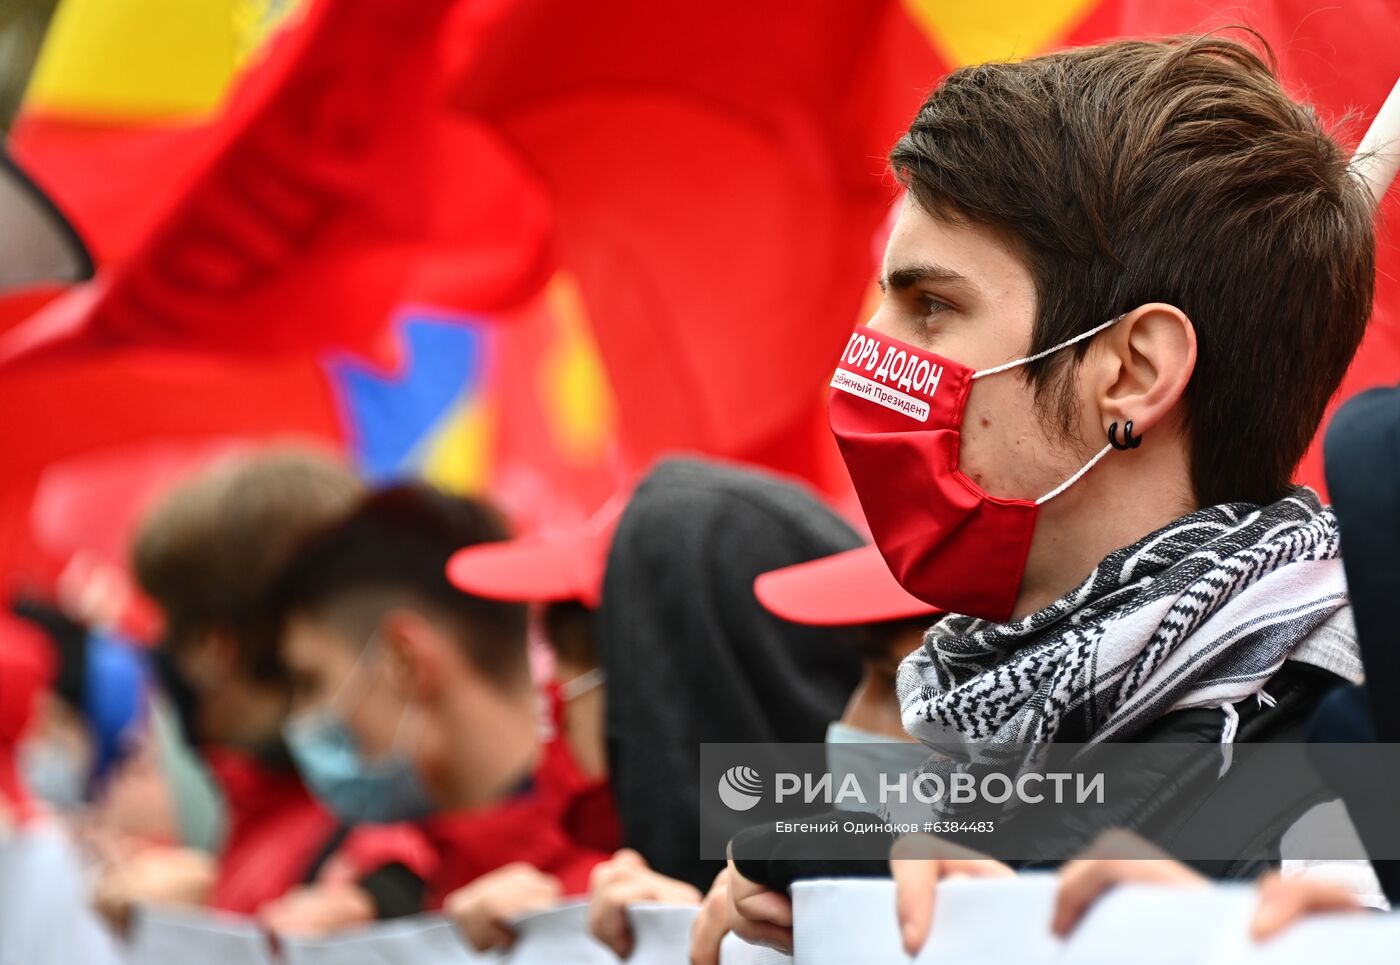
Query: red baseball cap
(566, 565)
(846, 589)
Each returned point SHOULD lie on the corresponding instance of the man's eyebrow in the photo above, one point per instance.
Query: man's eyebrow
(907, 276)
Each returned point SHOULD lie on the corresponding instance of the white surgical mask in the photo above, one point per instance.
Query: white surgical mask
(871, 758)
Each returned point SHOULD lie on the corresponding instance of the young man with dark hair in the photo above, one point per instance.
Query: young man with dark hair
(413, 703)
(1124, 281)
(659, 593)
(207, 554)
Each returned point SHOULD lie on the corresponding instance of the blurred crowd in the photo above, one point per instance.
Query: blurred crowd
(371, 703)
(333, 732)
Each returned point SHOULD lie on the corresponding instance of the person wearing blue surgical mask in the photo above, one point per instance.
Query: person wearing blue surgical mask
(356, 786)
(91, 714)
(408, 696)
(413, 705)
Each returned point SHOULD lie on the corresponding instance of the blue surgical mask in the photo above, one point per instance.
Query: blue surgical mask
(53, 773)
(871, 757)
(356, 790)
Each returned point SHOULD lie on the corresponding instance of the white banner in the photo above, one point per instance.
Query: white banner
(836, 922)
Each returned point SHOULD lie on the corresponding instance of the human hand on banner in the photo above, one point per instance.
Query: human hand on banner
(1120, 857)
(752, 912)
(918, 862)
(1114, 858)
(626, 879)
(483, 909)
(315, 910)
(1283, 901)
(712, 924)
(153, 876)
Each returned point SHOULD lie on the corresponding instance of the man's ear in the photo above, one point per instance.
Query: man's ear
(415, 648)
(1143, 366)
(217, 655)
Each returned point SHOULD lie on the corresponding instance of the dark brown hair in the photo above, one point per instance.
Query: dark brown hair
(391, 550)
(1175, 171)
(209, 552)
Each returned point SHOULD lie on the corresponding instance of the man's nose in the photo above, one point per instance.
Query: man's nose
(881, 320)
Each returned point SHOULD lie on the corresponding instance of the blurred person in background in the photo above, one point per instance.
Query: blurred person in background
(26, 669)
(414, 706)
(854, 589)
(1362, 457)
(561, 577)
(90, 718)
(207, 554)
(687, 656)
(44, 917)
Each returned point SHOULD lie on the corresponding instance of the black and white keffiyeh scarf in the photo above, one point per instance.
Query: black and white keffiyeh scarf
(1199, 614)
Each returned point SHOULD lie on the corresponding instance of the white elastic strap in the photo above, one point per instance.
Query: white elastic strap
(403, 742)
(1073, 479)
(582, 684)
(1049, 351)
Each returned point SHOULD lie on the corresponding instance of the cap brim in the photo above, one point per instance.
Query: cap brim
(847, 589)
(536, 570)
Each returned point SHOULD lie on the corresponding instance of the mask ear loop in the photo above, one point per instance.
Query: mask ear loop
(1075, 478)
(354, 683)
(400, 744)
(410, 709)
(374, 644)
(1014, 363)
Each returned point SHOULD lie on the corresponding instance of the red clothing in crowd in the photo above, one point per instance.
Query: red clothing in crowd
(276, 831)
(589, 811)
(563, 823)
(26, 667)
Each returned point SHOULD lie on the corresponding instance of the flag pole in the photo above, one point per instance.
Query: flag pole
(1378, 156)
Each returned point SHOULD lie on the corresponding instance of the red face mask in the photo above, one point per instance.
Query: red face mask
(897, 414)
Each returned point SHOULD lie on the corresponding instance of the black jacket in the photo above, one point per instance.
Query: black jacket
(1362, 455)
(690, 655)
(1253, 804)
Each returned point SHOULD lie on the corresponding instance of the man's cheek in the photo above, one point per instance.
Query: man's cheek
(1002, 450)
(977, 447)
(372, 729)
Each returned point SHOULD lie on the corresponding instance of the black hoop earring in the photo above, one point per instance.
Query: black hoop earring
(1128, 441)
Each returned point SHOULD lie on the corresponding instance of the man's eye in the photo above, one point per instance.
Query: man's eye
(932, 305)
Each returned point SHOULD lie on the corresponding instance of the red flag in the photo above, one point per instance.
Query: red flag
(1328, 57)
(715, 176)
(333, 187)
